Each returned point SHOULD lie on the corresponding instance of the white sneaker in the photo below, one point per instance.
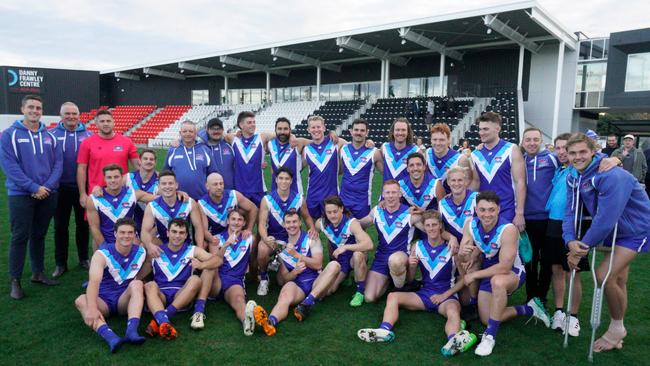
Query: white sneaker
(539, 312)
(263, 288)
(558, 321)
(197, 321)
(249, 319)
(574, 326)
(486, 346)
(375, 335)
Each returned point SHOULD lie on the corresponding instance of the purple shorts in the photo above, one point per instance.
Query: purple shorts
(316, 209)
(305, 284)
(255, 197)
(228, 282)
(169, 293)
(426, 293)
(380, 264)
(111, 299)
(486, 285)
(359, 211)
(639, 245)
(344, 260)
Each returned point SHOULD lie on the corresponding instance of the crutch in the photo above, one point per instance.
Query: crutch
(597, 303)
(577, 226)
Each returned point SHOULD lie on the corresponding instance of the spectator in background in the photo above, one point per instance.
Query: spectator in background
(430, 111)
(70, 133)
(633, 159)
(594, 136)
(420, 144)
(32, 163)
(612, 144)
(221, 151)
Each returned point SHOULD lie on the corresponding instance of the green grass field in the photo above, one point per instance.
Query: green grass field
(45, 329)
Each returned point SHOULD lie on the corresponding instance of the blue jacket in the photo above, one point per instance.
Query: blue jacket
(223, 157)
(540, 170)
(30, 159)
(70, 142)
(610, 197)
(556, 204)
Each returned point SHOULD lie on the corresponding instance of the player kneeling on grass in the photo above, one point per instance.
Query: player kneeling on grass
(494, 241)
(234, 249)
(112, 287)
(348, 247)
(438, 293)
(300, 262)
(173, 283)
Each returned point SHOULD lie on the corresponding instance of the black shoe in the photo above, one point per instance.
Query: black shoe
(301, 312)
(17, 292)
(41, 279)
(59, 271)
(84, 264)
(469, 313)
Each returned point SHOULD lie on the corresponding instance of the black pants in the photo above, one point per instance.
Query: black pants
(30, 219)
(539, 270)
(69, 199)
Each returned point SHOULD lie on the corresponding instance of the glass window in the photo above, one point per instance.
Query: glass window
(374, 88)
(414, 87)
(596, 74)
(585, 48)
(399, 88)
(597, 47)
(200, 97)
(347, 91)
(637, 75)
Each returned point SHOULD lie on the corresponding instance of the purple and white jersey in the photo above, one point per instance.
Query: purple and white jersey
(163, 214)
(395, 160)
(489, 243)
(358, 170)
(235, 258)
(494, 169)
(436, 264)
(340, 234)
(134, 181)
(283, 155)
(303, 247)
(173, 268)
(439, 166)
(217, 212)
(423, 196)
(454, 216)
(394, 229)
(119, 270)
(323, 163)
(249, 156)
(277, 208)
(111, 208)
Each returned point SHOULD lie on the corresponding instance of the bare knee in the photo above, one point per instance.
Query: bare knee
(392, 299)
(194, 282)
(333, 266)
(80, 302)
(150, 286)
(499, 283)
(358, 258)
(136, 286)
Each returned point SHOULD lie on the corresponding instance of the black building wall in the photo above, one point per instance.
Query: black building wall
(621, 44)
(58, 86)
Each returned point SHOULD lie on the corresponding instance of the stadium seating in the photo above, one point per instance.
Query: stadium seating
(126, 116)
(158, 122)
(84, 117)
(505, 103)
(294, 111)
(334, 113)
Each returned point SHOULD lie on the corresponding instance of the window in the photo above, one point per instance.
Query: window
(200, 97)
(637, 75)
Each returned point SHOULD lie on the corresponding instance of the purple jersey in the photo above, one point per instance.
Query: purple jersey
(235, 258)
(489, 243)
(394, 229)
(134, 181)
(358, 170)
(119, 270)
(249, 155)
(454, 216)
(323, 163)
(217, 212)
(340, 234)
(436, 265)
(494, 170)
(173, 268)
(163, 214)
(277, 208)
(283, 155)
(111, 208)
(438, 166)
(395, 160)
(423, 196)
(303, 248)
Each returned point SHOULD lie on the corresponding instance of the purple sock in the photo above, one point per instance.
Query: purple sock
(107, 333)
(199, 306)
(451, 336)
(264, 276)
(524, 310)
(161, 317)
(132, 328)
(492, 327)
(361, 286)
(171, 310)
(309, 300)
(273, 320)
(386, 325)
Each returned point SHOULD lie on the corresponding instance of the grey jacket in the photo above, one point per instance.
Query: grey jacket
(640, 166)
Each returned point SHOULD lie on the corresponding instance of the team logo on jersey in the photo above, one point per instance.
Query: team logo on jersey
(442, 258)
(253, 145)
(134, 266)
(47, 141)
(498, 159)
(182, 215)
(328, 151)
(117, 148)
(199, 157)
(494, 245)
(427, 197)
(466, 212)
(126, 204)
(398, 224)
(363, 159)
(344, 236)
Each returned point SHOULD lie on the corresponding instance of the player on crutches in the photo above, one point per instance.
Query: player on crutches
(620, 208)
(577, 224)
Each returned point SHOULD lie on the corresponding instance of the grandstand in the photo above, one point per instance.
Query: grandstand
(126, 117)
(335, 114)
(150, 127)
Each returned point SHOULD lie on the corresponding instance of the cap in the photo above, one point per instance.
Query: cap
(215, 122)
(628, 136)
(592, 134)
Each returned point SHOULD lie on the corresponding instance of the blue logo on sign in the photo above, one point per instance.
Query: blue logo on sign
(14, 77)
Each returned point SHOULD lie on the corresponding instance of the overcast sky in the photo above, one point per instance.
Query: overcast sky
(100, 35)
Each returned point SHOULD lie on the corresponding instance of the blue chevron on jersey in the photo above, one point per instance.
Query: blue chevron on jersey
(301, 246)
(321, 158)
(391, 228)
(279, 154)
(235, 252)
(457, 218)
(116, 211)
(172, 267)
(489, 168)
(491, 243)
(439, 166)
(218, 213)
(164, 215)
(396, 160)
(276, 209)
(355, 163)
(120, 272)
(422, 196)
(433, 265)
(248, 150)
(337, 238)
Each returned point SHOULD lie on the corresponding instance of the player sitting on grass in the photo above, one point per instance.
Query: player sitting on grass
(173, 283)
(301, 260)
(438, 292)
(228, 282)
(112, 287)
(348, 246)
(494, 241)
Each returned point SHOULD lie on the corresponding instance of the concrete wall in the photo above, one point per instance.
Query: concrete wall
(538, 110)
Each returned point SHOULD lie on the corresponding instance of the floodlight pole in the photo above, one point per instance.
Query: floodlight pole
(225, 88)
(382, 83)
(268, 88)
(442, 74)
(558, 85)
(387, 78)
(317, 83)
